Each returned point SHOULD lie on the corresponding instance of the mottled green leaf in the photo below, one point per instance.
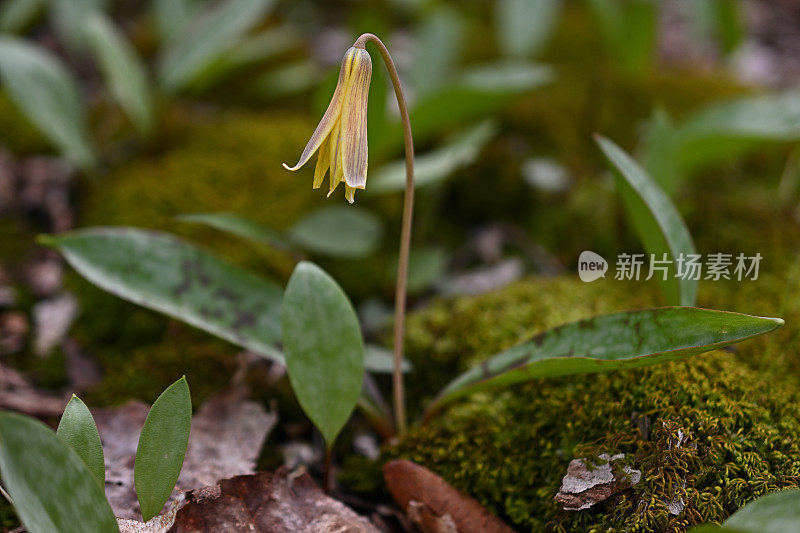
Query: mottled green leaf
(339, 231)
(78, 430)
(433, 167)
(524, 26)
(52, 489)
(324, 348)
(47, 95)
(162, 447)
(631, 339)
(657, 222)
(212, 34)
(160, 272)
(123, 70)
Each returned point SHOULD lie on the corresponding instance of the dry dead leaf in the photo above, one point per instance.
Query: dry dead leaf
(158, 524)
(277, 503)
(17, 394)
(431, 500)
(585, 484)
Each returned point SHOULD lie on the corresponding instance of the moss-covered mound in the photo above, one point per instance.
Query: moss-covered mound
(715, 432)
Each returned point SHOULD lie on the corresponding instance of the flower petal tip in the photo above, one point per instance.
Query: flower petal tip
(287, 167)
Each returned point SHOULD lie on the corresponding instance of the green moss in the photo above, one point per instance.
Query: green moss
(143, 371)
(510, 448)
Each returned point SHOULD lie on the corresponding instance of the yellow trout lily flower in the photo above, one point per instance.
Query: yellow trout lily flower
(341, 136)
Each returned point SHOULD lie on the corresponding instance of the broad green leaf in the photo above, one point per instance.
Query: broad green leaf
(778, 512)
(247, 51)
(523, 27)
(239, 226)
(47, 95)
(162, 447)
(17, 15)
(172, 16)
(433, 167)
(380, 360)
(656, 220)
(773, 117)
(474, 94)
(160, 272)
(324, 348)
(717, 20)
(725, 130)
(52, 489)
(660, 153)
(629, 31)
(436, 49)
(70, 16)
(210, 36)
(123, 70)
(340, 231)
(78, 430)
(294, 78)
(426, 266)
(617, 341)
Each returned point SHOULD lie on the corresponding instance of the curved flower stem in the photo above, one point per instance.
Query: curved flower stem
(405, 235)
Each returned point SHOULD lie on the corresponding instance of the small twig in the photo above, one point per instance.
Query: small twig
(6, 495)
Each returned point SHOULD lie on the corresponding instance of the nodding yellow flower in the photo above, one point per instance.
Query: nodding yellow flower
(341, 135)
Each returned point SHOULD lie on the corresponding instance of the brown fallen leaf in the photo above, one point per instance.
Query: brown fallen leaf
(266, 502)
(17, 394)
(587, 484)
(424, 495)
(119, 429)
(227, 434)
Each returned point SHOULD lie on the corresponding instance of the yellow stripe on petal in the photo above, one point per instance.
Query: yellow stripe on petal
(349, 193)
(331, 115)
(354, 121)
(323, 163)
(335, 181)
(335, 149)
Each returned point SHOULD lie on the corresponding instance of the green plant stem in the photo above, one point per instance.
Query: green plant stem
(405, 235)
(326, 476)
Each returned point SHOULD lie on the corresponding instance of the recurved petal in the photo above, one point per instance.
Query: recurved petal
(354, 121)
(331, 114)
(323, 162)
